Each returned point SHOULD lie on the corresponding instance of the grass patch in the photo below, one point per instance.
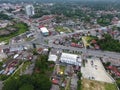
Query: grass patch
(96, 85)
(118, 82)
(63, 29)
(88, 39)
(109, 86)
(68, 85)
(21, 28)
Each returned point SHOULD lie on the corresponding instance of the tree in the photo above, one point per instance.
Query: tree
(79, 85)
(36, 81)
(26, 87)
(11, 84)
(108, 63)
(26, 79)
(79, 74)
(35, 52)
(118, 82)
(4, 16)
(109, 43)
(41, 82)
(3, 77)
(1, 64)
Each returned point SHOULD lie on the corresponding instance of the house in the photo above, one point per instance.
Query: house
(55, 81)
(13, 49)
(114, 70)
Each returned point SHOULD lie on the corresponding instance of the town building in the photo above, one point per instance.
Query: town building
(71, 59)
(29, 10)
(52, 57)
(44, 31)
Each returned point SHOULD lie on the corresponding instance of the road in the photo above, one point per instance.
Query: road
(39, 39)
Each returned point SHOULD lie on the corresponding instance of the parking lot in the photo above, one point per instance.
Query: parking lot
(94, 70)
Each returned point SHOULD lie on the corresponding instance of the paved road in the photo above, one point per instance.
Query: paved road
(40, 41)
(77, 31)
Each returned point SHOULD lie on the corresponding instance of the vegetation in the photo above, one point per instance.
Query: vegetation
(4, 16)
(3, 77)
(103, 21)
(79, 74)
(118, 82)
(75, 40)
(1, 64)
(109, 86)
(39, 12)
(23, 67)
(34, 51)
(109, 44)
(21, 28)
(96, 85)
(107, 64)
(88, 39)
(26, 87)
(43, 66)
(79, 85)
(35, 82)
(68, 84)
(39, 80)
(63, 29)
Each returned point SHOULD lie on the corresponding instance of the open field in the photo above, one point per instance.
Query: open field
(96, 85)
(21, 28)
(87, 40)
(63, 29)
(95, 71)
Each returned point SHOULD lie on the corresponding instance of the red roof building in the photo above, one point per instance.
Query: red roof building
(115, 70)
(94, 41)
(55, 81)
(73, 44)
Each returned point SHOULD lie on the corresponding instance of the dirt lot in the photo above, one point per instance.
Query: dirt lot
(96, 85)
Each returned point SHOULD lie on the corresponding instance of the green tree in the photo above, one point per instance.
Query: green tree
(11, 84)
(1, 64)
(41, 82)
(118, 82)
(79, 74)
(4, 16)
(26, 87)
(79, 85)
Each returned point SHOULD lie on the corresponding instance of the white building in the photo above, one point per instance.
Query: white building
(53, 55)
(29, 10)
(71, 59)
(52, 58)
(44, 31)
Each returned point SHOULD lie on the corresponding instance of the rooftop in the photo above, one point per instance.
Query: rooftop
(44, 29)
(71, 58)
